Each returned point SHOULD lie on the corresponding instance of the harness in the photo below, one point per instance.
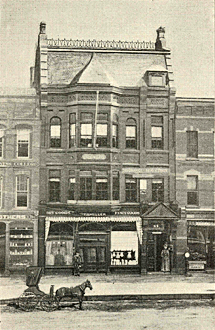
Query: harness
(83, 287)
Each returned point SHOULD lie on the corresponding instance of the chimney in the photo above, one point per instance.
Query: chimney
(32, 76)
(160, 41)
(42, 28)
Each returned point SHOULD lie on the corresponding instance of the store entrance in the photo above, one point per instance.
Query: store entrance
(93, 258)
(155, 243)
(2, 247)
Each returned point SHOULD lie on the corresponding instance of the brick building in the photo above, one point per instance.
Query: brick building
(19, 178)
(107, 148)
(195, 175)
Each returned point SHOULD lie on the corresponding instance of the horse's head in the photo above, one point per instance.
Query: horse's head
(89, 285)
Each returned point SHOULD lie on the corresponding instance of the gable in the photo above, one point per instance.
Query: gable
(160, 211)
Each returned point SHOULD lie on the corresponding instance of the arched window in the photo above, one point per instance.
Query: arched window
(131, 134)
(115, 131)
(55, 132)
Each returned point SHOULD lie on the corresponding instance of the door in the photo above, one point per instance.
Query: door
(94, 258)
(155, 244)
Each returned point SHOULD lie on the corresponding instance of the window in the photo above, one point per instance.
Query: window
(1, 188)
(54, 186)
(131, 132)
(157, 191)
(131, 190)
(23, 138)
(71, 194)
(1, 142)
(86, 130)
(72, 128)
(192, 144)
(157, 80)
(143, 187)
(115, 132)
(55, 132)
(101, 135)
(101, 189)
(22, 190)
(192, 190)
(115, 186)
(157, 132)
(85, 186)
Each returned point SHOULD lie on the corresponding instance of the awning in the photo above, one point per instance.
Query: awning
(111, 218)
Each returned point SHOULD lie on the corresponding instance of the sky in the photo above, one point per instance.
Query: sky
(189, 26)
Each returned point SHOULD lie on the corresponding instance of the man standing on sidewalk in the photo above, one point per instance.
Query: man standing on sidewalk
(77, 264)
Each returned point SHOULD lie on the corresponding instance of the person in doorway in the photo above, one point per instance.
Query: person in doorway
(59, 259)
(77, 264)
(165, 265)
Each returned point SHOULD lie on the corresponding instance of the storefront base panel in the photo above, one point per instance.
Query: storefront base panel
(125, 269)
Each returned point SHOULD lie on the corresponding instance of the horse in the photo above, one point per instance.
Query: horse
(77, 291)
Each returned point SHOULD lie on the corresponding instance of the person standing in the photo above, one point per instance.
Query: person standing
(77, 264)
(165, 266)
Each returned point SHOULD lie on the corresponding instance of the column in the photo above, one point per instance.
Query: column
(143, 258)
(7, 249)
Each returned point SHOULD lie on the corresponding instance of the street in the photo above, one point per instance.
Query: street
(174, 315)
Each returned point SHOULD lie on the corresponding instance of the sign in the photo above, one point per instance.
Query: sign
(197, 265)
(15, 216)
(94, 156)
(146, 170)
(14, 164)
(155, 225)
(202, 223)
(157, 101)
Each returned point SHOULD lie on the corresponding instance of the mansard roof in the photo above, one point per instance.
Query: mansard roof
(118, 68)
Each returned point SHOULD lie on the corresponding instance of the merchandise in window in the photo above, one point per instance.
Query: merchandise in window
(54, 186)
(192, 190)
(22, 190)
(157, 191)
(23, 137)
(55, 132)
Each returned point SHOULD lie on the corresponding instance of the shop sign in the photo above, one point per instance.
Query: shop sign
(197, 265)
(202, 223)
(94, 156)
(15, 217)
(13, 164)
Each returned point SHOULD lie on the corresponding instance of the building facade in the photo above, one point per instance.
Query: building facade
(195, 176)
(19, 178)
(107, 175)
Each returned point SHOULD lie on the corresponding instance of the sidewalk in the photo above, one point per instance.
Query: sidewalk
(119, 286)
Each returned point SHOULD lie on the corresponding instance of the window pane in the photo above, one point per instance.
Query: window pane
(156, 131)
(55, 131)
(192, 198)
(86, 129)
(22, 190)
(23, 142)
(101, 129)
(157, 81)
(130, 131)
(191, 182)
(143, 184)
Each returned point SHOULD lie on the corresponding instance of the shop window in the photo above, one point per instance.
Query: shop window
(72, 129)
(54, 186)
(157, 132)
(192, 190)
(55, 132)
(1, 142)
(115, 186)
(131, 134)
(23, 140)
(71, 195)
(157, 190)
(85, 188)
(86, 130)
(91, 255)
(192, 144)
(22, 190)
(131, 190)
(101, 189)
(1, 188)
(101, 135)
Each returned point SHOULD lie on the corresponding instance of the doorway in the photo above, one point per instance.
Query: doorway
(155, 243)
(93, 258)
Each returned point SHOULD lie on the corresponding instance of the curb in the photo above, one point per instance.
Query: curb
(137, 297)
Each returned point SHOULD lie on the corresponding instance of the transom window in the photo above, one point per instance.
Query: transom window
(55, 132)
(22, 190)
(23, 139)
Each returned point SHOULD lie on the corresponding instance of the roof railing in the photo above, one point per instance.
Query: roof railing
(104, 45)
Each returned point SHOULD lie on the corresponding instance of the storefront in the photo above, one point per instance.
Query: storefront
(105, 242)
(19, 241)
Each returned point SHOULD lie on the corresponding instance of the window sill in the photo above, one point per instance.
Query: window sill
(157, 150)
(192, 159)
(192, 206)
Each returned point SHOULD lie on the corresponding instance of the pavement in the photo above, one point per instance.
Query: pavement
(160, 286)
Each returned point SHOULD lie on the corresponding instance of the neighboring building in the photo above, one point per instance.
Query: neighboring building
(19, 178)
(107, 146)
(195, 175)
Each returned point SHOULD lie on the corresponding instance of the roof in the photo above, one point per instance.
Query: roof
(122, 69)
